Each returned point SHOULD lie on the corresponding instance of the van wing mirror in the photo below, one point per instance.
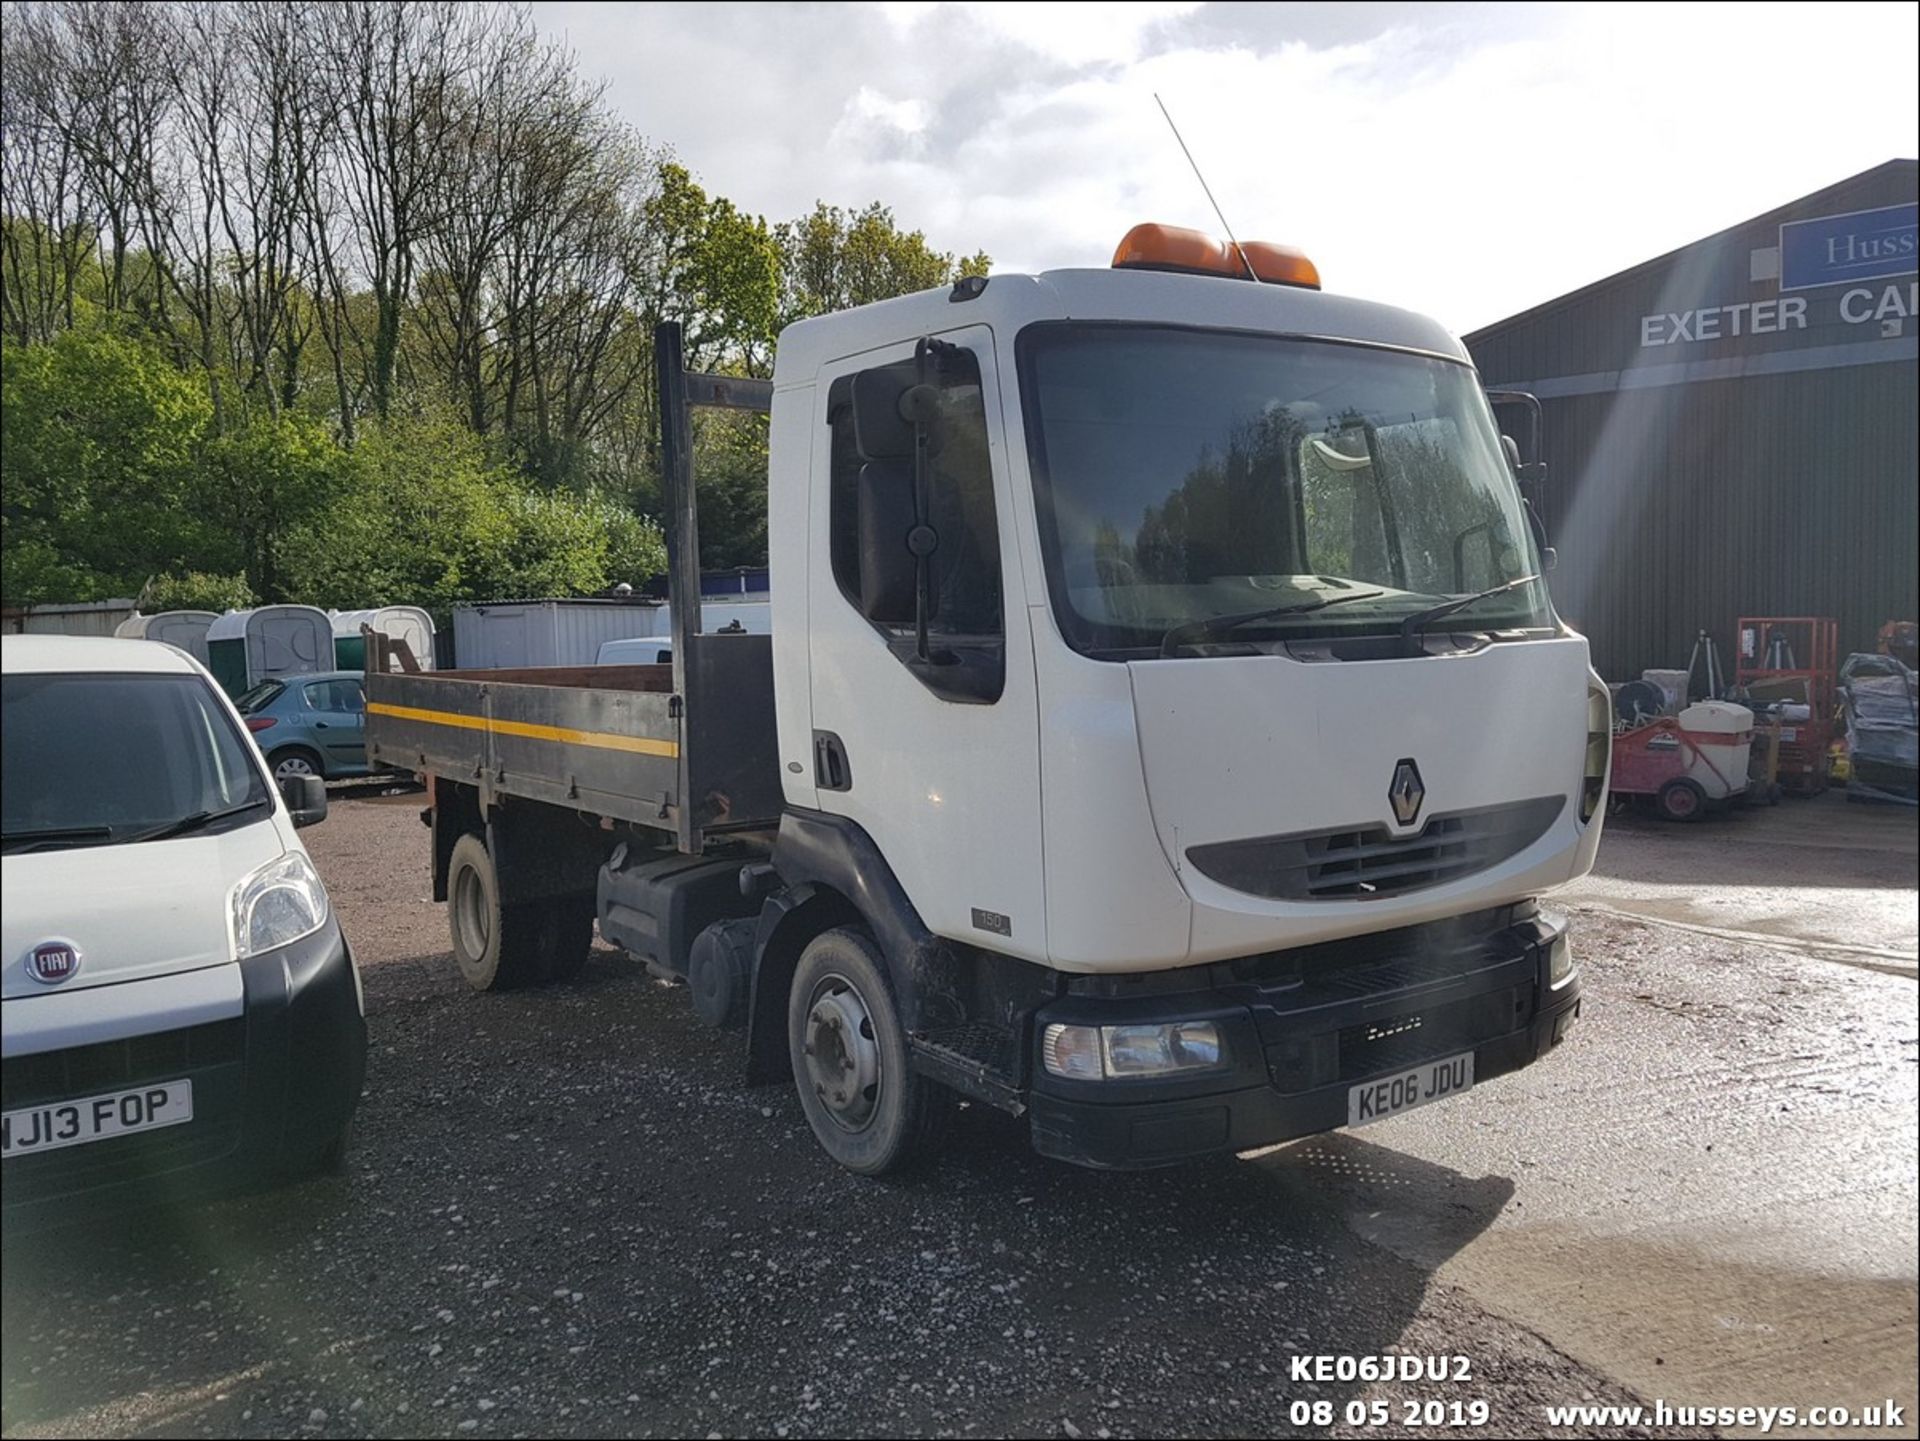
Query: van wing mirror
(306, 798)
(889, 567)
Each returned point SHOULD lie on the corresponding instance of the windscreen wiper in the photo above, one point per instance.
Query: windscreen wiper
(1187, 632)
(1412, 625)
(199, 820)
(54, 836)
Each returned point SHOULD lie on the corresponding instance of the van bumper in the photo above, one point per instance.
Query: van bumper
(273, 1088)
(1299, 1037)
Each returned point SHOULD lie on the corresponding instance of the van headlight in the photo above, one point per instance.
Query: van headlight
(277, 905)
(1593, 783)
(1105, 1053)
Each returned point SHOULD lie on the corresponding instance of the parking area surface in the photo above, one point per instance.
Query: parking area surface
(565, 1216)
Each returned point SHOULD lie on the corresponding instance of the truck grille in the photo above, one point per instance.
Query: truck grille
(1365, 863)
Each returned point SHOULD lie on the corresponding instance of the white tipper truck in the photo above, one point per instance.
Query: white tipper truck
(1165, 735)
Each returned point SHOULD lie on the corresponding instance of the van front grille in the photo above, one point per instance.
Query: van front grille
(83, 1070)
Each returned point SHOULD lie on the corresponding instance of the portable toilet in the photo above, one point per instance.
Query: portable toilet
(245, 647)
(401, 622)
(184, 629)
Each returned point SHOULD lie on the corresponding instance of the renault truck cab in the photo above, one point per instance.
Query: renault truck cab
(1165, 734)
(181, 1011)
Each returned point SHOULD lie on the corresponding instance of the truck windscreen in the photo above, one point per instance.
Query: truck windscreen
(1186, 474)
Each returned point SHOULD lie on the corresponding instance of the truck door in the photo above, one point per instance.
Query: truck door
(934, 754)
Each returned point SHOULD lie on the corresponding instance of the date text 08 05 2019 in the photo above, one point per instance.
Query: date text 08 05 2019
(1384, 1367)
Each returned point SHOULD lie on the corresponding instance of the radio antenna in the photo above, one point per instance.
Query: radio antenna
(1234, 240)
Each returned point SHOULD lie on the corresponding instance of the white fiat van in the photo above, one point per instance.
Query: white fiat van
(181, 1012)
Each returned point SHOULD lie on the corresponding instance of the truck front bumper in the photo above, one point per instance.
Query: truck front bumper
(1300, 1030)
(272, 1089)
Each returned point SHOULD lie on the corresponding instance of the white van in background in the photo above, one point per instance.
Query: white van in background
(181, 1012)
(745, 617)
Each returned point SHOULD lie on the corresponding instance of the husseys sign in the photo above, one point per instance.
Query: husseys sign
(1850, 257)
(1839, 249)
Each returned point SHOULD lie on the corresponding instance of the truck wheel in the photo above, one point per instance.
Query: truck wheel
(868, 1110)
(1682, 801)
(497, 947)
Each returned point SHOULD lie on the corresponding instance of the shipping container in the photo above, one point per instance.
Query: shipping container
(1731, 430)
(512, 634)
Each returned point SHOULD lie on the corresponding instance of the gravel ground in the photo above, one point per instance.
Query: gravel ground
(565, 1216)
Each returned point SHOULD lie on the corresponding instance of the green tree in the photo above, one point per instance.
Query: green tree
(835, 259)
(99, 437)
(260, 486)
(197, 590)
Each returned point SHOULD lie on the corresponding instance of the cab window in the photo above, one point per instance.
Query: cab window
(965, 626)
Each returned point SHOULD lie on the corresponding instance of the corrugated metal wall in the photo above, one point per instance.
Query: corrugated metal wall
(1685, 507)
(1678, 500)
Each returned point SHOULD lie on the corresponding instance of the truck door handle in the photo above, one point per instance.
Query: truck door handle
(831, 769)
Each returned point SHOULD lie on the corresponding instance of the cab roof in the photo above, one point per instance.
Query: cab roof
(62, 654)
(1009, 302)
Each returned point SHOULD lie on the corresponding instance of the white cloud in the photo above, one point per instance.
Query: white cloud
(1467, 161)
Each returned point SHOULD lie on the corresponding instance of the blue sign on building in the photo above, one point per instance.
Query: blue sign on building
(1836, 249)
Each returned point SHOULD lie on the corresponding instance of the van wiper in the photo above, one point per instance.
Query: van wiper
(1187, 632)
(199, 820)
(1413, 624)
(53, 836)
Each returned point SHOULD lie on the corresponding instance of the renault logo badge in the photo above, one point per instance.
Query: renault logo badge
(1407, 792)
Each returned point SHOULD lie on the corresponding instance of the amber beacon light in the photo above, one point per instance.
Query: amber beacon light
(1192, 252)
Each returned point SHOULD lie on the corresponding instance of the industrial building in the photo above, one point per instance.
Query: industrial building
(1731, 428)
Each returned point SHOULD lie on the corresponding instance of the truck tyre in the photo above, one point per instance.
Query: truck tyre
(497, 947)
(868, 1110)
(1682, 800)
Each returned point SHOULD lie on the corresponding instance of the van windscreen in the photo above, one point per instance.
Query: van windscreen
(98, 759)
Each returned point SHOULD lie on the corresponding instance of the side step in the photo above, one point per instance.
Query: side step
(978, 1060)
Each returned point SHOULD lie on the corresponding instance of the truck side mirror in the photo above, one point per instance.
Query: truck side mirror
(880, 430)
(888, 564)
(306, 798)
(1529, 472)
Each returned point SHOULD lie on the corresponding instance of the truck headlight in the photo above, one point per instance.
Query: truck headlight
(1593, 783)
(1559, 960)
(1101, 1053)
(277, 905)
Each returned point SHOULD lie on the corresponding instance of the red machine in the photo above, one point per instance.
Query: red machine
(1794, 660)
(1683, 765)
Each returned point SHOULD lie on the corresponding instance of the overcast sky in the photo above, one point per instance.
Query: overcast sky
(1464, 160)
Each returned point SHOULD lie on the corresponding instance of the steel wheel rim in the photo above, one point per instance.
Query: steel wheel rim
(470, 914)
(841, 1054)
(290, 766)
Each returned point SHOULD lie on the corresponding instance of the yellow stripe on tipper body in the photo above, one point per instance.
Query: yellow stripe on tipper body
(637, 745)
